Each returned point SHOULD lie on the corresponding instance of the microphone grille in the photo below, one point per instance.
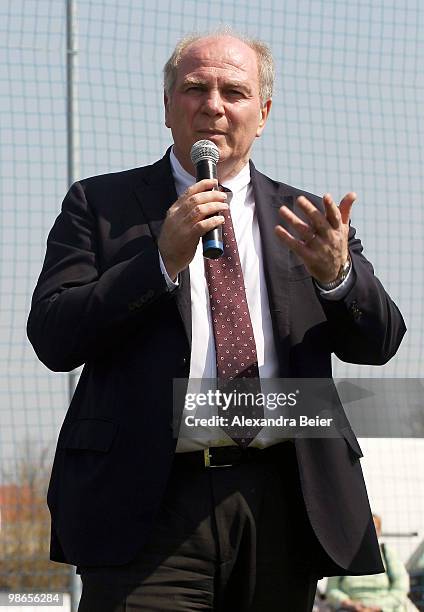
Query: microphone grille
(204, 149)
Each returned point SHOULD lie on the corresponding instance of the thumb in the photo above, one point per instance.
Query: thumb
(345, 206)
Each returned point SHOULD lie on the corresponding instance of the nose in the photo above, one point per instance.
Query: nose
(213, 103)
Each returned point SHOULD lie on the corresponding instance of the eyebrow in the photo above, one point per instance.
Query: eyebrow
(228, 84)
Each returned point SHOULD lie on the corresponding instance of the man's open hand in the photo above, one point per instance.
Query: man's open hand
(323, 241)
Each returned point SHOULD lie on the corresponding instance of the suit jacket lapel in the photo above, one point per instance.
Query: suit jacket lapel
(269, 197)
(155, 195)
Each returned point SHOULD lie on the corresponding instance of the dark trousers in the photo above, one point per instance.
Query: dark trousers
(226, 539)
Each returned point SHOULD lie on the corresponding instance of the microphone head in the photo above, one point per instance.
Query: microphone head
(204, 149)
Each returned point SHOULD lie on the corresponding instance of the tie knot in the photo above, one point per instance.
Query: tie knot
(227, 191)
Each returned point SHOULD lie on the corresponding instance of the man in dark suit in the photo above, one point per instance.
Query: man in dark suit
(155, 520)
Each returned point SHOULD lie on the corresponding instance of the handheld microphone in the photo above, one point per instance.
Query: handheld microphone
(205, 155)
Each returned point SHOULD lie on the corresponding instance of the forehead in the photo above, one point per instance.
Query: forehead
(220, 56)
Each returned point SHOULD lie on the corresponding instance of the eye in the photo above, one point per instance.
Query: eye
(235, 93)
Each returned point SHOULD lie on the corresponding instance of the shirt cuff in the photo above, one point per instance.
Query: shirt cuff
(169, 282)
(338, 293)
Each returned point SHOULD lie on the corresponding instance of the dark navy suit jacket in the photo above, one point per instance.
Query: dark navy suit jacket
(102, 301)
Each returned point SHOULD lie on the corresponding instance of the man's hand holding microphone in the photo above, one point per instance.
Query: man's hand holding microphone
(194, 214)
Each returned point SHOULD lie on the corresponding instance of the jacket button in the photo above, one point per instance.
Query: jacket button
(184, 361)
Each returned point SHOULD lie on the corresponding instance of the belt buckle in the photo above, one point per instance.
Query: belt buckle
(207, 460)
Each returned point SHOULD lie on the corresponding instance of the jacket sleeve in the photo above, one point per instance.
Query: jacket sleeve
(365, 324)
(76, 309)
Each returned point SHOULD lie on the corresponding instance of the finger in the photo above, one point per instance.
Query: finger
(206, 225)
(345, 206)
(318, 220)
(305, 231)
(200, 211)
(295, 245)
(203, 185)
(331, 211)
(190, 201)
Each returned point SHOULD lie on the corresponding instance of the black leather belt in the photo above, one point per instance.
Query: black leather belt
(228, 456)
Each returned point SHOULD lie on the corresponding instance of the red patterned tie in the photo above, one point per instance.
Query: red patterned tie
(236, 358)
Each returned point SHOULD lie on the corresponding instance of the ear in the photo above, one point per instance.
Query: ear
(263, 116)
(166, 103)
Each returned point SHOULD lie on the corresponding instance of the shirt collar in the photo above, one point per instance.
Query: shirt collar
(184, 179)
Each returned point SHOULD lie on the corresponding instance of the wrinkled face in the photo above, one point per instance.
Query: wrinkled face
(216, 97)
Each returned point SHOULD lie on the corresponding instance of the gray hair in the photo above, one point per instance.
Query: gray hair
(266, 71)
